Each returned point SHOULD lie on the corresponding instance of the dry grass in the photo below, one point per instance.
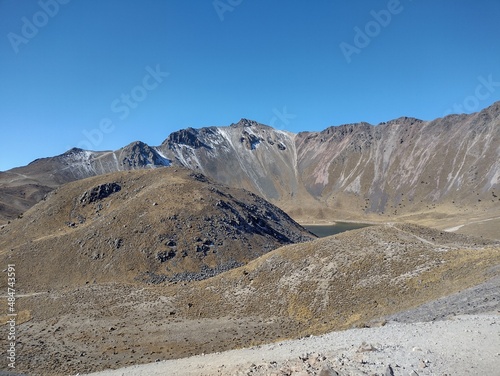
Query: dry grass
(21, 318)
(352, 279)
(160, 224)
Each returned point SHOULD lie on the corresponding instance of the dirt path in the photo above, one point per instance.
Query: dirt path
(456, 228)
(25, 295)
(391, 224)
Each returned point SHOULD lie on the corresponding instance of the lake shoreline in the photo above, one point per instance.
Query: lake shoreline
(324, 230)
(333, 223)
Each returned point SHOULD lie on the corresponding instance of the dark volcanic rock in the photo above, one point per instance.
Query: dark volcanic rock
(100, 192)
(187, 137)
(250, 141)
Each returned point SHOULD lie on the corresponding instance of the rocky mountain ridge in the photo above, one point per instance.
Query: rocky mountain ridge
(398, 168)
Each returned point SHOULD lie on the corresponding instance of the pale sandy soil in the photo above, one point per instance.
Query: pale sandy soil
(462, 345)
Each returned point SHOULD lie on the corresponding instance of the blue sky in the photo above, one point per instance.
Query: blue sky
(101, 74)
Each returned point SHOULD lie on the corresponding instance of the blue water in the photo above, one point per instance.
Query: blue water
(328, 230)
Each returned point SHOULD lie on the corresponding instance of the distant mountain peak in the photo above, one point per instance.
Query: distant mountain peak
(72, 154)
(188, 137)
(138, 144)
(346, 128)
(494, 109)
(139, 154)
(73, 151)
(245, 123)
(403, 120)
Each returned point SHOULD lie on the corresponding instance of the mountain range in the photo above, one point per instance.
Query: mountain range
(404, 168)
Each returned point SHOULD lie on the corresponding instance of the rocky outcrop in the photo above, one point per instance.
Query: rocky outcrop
(189, 137)
(100, 192)
(140, 155)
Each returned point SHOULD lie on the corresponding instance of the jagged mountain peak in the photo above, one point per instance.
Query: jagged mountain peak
(189, 137)
(73, 151)
(137, 144)
(246, 123)
(73, 154)
(360, 125)
(492, 111)
(344, 129)
(138, 147)
(403, 120)
(140, 154)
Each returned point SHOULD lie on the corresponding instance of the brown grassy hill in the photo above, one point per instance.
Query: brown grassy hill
(351, 279)
(150, 225)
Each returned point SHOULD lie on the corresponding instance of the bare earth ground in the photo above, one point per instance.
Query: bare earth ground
(96, 327)
(454, 335)
(482, 224)
(463, 345)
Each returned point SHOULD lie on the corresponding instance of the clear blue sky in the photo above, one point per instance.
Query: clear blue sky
(89, 66)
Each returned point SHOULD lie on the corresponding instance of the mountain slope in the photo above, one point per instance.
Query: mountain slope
(148, 226)
(351, 279)
(247, 154)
